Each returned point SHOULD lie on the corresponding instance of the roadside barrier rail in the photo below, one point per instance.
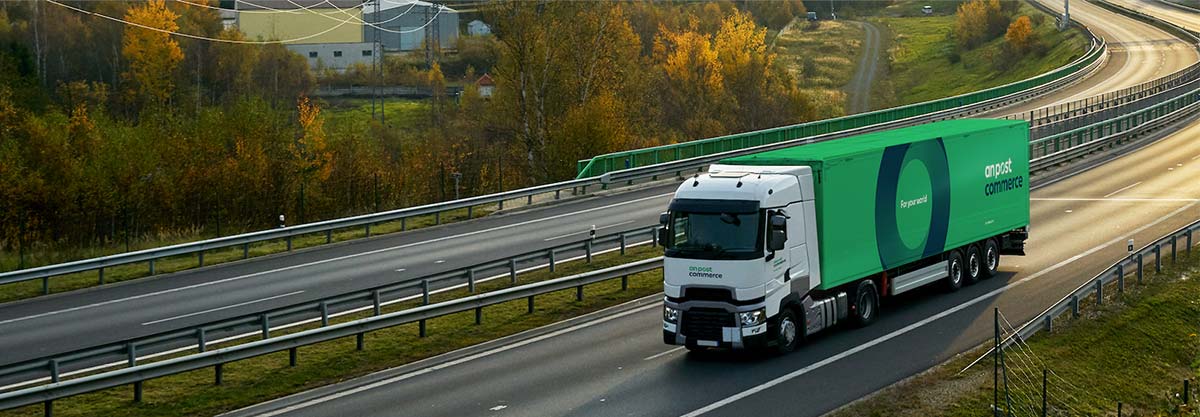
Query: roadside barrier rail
(56, 366)
(136, 374)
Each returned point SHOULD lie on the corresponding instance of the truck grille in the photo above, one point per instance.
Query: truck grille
(706, 323)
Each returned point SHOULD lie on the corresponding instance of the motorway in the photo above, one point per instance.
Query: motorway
(568, 374)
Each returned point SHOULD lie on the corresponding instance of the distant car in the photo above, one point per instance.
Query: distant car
(927, 10)
(812, 16)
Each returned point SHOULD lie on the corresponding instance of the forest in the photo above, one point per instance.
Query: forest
(111, 130)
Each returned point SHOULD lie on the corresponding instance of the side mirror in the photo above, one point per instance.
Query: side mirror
(778, 221)
(664, 218)
(663, 236)
(776, 239)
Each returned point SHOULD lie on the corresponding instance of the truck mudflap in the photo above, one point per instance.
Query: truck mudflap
(1013, 243)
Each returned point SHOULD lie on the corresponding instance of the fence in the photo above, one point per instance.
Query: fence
(53, 367)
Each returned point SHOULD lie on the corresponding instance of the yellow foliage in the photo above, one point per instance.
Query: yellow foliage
(978, 21)
(152, 55)
(313, 159)
(1020, 34)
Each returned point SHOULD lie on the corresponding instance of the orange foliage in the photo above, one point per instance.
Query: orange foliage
(152, 55)
(1020, 34)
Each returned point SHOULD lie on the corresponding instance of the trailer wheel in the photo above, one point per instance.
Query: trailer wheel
(991, 258)
(957, 271)
(788, 334)
(866, 304)
(974, 265)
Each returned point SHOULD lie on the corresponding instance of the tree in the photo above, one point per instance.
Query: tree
(152, 55)
(309, 151)
(281, 74)
(978, 21)
(694, 85)
(745, 68)
(1020, 35)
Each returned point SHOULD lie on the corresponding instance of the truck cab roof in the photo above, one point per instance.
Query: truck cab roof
(771, 186)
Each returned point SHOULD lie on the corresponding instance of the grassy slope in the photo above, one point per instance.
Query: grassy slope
(1137, 349)
(921, 69)
(822, 57)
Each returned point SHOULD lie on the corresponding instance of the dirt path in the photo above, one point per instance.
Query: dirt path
(858, 91)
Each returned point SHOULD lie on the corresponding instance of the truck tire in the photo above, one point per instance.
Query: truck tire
(866, 304)
(788, 332)
(973, 261)
(956, 269)
(991, 258)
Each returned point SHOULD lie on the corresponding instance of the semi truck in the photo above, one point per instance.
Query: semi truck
(766, 249)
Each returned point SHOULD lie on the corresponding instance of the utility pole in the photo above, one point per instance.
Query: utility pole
(1066, 19)
(996, 363)
(376, 64)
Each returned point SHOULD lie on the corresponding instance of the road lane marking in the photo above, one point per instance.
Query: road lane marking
(438, 367)
(800, 372)
(586, 231)
(1118, 199)
(340, 258)
(401, 270)
(661, 354)
(223, 308)
(440, 261)
(1122, 189)
(1195, 157)
(312, 320)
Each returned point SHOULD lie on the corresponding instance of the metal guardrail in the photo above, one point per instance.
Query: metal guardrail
(216, 358)
(1008, 93)
(53, 367)
(327, 227)
(1133, 264)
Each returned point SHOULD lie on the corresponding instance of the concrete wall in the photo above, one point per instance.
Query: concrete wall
(266, 25)
(327, 54)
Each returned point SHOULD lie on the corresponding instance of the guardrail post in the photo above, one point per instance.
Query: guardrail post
(551, 260)
(1173, 251)
(654, 237)
(1189, 242)
(200, 258)
(201, 343)
(324, 314)
(1139, 269)
(1120, 278)
(46, 285)
(358, 341)
(424, 301)
(501, 205)
(329, 236)
(368, 230)
(579, 293)
(1099, 291)
(375, 302)
(556, 194)
(47, 279)
(404, 222)
(292, 357)
(512, 270)
(437, 218)
(1049, 320)
(587, 248)
(289, 243)
(529, 199)
(48, 408)
(622, 244)
(219, 373)
(245, 251)
(530, 307)
(469, 212)
(1187, 390)
(132, 360)
(266, 326)
(624, 282)
(1157, 258)
(478, 315)
(471, 281)
(151, 267)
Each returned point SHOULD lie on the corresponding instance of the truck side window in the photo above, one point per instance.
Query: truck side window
(679, 230)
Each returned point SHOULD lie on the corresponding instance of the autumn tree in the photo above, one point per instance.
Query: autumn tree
(309, 151)
(694, 85)
(978, 21)
(1020, 35)
(152, 55)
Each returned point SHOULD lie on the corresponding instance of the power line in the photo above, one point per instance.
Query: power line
(351, 16)
(196, 37)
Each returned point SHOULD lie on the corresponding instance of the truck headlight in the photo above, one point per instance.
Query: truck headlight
(670, 315)
(753, 318)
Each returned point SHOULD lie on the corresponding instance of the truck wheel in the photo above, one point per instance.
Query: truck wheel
(974, 264)
(957, 271)
(787, 336)
(991, 258)
(866, 304)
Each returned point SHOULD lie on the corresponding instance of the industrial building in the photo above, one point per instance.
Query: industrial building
(403, 25)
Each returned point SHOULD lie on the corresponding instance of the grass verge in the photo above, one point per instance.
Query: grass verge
(61, 283)
(1136, 348)
(924, 64)
(259, 379)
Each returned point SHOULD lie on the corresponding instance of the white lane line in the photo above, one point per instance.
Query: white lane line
(440, 261)
(585, 231)
(401, 270)
(308, 321)
(434, 368)
(661, 354)
(1122, 189)
(1160, 200)
(800, 372)
(1195, 157)
(222, 308)
(498, 408)
(340, 258)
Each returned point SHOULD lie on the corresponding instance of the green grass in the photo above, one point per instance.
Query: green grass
(920, 64)
(127, 272)
(401, 113)
(1137, 349)
(259, 379)
(822, 58)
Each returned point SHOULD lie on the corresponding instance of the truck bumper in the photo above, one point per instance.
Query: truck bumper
(734, 338)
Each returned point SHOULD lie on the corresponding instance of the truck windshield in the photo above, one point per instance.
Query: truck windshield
(722, 235)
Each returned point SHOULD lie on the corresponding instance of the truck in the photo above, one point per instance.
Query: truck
(766, 249)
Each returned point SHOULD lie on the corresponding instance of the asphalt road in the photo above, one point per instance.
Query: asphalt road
(621, 367)
(67, 321)
(859, 88)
